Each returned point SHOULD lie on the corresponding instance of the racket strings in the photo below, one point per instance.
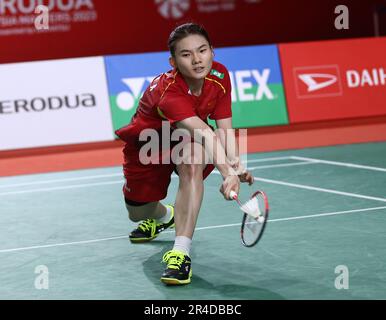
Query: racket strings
(252, 225)
(254, 220)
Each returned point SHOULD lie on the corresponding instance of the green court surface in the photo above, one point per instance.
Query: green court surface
(328, 209)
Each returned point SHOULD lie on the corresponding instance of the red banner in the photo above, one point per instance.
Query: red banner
(80, 28)
(334, 79)
(98, 27)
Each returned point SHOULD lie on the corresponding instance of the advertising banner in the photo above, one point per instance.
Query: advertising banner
(53, 102)
(128, 76)
(334, 79)
(257, 90)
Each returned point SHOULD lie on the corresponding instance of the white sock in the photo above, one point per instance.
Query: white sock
(168, 215)
(182, 243)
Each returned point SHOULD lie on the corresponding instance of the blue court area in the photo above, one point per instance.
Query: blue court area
(328, 212)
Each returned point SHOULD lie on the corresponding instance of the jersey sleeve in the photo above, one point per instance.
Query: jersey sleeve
(175, 106)
(223, 107)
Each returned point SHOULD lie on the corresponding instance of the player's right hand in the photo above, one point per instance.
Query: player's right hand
(246, 176)
(231, 182)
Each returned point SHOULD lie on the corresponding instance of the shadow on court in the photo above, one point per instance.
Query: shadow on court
(201, 287)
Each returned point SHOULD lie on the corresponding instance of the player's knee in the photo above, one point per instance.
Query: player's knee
(190, 172)
(192, 153)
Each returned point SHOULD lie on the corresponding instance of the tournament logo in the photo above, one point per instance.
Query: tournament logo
(174, 9)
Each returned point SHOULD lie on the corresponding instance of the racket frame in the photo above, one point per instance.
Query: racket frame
(265, 215)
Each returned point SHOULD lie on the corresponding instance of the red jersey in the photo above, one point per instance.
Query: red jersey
(168, 98)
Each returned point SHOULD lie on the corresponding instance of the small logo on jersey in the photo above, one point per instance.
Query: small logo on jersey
(217, 74)
(317, 81)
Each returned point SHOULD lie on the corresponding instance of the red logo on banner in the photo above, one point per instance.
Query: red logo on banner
(334, 79)
(317, 81)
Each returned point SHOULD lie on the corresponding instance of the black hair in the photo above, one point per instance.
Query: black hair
(183, 31)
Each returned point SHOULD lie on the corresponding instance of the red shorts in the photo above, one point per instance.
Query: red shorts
(148, 183)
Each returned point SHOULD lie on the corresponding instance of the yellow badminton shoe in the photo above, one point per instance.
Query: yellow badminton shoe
(179, 268)
(149, 229)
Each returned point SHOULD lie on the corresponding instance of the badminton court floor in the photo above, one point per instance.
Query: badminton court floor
(64, 235)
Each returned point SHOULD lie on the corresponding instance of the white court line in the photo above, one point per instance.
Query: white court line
(216, 172)
(62, 187)
(109, 175)
(118, 181)
(301, 186)
(268, 159)
(282, 165)
(199, 228)
(343, 164)
(274, 166)
(308, 161)
(61, 244)
(62, 180)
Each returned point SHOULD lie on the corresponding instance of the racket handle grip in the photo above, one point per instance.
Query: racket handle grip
(233, 195)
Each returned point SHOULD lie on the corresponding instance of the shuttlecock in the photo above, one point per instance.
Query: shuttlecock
(251, 207)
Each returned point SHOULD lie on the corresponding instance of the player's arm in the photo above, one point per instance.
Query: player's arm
(203, 134)
(228, 139)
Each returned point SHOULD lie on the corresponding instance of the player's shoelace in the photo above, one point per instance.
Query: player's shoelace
(173, 259)
(147, 225)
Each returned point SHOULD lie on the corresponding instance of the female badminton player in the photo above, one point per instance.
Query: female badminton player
(196, 88)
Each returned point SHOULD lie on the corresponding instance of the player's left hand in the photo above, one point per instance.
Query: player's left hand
(246, 176)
